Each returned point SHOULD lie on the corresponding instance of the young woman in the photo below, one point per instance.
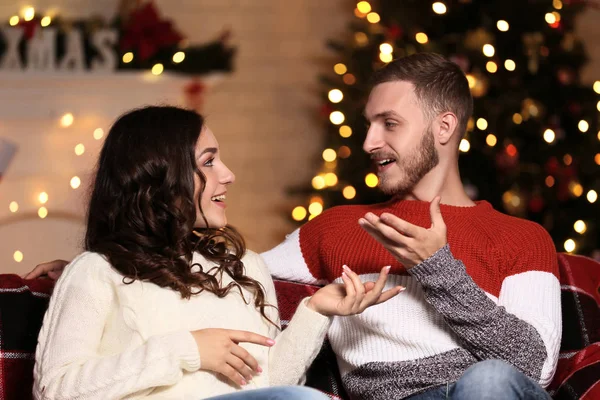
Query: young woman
(166, 302)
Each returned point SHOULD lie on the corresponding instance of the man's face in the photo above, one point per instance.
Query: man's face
(399, 139)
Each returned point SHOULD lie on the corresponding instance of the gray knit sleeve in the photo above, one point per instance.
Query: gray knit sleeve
(488, 331)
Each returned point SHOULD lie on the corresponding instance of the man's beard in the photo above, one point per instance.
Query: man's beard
(413, 167)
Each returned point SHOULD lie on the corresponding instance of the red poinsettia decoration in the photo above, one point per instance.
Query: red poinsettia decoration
(145, 33)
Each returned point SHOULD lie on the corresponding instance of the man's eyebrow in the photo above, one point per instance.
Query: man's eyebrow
(385, 114)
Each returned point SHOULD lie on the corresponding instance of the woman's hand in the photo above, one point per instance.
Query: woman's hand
(220, 352)
(352, 297)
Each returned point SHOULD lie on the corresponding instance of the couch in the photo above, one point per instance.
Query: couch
(23, 303)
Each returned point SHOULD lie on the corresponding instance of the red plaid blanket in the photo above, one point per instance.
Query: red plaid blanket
(23, 303)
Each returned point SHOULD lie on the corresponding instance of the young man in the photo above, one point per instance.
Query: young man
(485, 327)
(481, 316)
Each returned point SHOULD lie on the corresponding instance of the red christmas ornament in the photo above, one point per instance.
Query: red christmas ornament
(326, 109)
(536, 204)
(395, 32)
(552, 166)
(575, 108)
(194, 95)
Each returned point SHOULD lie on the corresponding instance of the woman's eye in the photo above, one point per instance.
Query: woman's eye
(209, 162)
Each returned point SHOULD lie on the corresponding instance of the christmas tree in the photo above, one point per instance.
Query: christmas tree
(533, 145)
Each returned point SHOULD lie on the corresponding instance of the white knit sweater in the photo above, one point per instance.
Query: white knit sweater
(103, 339)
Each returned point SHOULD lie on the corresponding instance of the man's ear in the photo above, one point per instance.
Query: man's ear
(446, 127)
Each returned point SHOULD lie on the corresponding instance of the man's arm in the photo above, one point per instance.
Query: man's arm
(286, 261)
(52, 270)
(524, 328)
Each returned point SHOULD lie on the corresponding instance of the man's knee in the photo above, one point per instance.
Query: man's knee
(495, 379)
(492, 371)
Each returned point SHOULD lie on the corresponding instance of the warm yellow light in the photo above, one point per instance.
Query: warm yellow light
(549, 181)
(517, 118)
(336, 117)
(464, 146)
(46, 21)
(470, 124)
(79, 149)
(329, 155)
(386, 57)
(597, 158)
(28, 13)
(128, 57)
(570, 245)
(488, 50)
(98, 133)
(491, 140)
(491, 67)
(598, 105)
(592, 196)
(373, 17)
(568, 159)
(439, 7)
(18, 256)
(482, 124)
(318, 182)
(42, 212)
(421, 38)
(14, 20)
(597, 87)
(43, 198)
(67, 120)
(331, 179)
(178, 57)
(502, 25)
(583, 126)
(75, 182)
(299, 213)
(557, 4)
(550, 18)
(315, 208)
(472, 81)
(549, 135)
(344, 152)
(364, 7)
(349, 192)
(340, 69)
(345, 131)
(335, 95)
(576, 189)
(157, 69)
(580, 227)
(13, 206)
(361, 38)
(556, 16)
(510, 65)
(386, 48)
(598, 136)
(371, 180)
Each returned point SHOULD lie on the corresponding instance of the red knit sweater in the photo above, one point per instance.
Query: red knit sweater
(492, 245)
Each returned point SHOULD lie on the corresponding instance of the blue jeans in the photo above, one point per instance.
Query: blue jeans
(275, 393)
(488, 380)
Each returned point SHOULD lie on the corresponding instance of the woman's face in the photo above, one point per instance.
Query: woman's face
(218, 176)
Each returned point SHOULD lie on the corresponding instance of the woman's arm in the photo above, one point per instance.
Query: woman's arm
(68, 364)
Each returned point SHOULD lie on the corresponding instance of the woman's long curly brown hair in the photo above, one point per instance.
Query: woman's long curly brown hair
(142, 209)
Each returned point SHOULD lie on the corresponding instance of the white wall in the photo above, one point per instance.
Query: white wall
(264, 116)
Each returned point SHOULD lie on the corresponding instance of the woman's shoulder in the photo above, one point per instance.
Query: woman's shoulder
(89, 266)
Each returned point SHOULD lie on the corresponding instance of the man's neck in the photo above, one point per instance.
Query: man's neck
(443, 181)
